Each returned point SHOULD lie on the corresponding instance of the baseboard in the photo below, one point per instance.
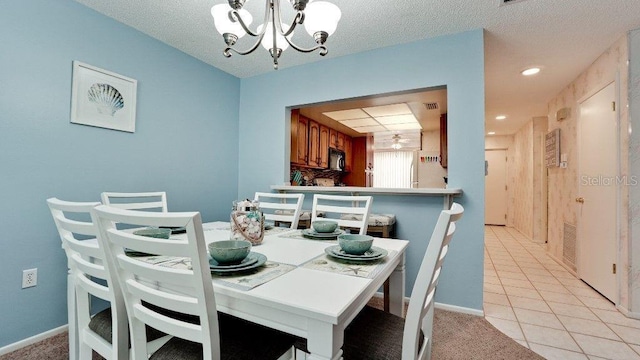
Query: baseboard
(627, 313)
(459, 309)
(32, 340)
(447, 307)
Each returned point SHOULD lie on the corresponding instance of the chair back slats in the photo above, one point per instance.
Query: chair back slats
(155, 273)
(136, 201)
(168, 325)
(89, 276)
(85, 248)
(96, 289)
(169, 247)
(419, 319)
(160, 285)
(281, 207)
(335, 206)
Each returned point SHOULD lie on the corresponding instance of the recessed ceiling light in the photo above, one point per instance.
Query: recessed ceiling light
(530, 71)
(491, 133)
(501, 117)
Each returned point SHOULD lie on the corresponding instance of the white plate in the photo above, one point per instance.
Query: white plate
(316, 235)
(374, 253)
(260, 260)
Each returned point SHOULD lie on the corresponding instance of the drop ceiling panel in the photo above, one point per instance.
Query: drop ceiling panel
(359, 122)
(397, 119)
(388, 110)
(347, 114)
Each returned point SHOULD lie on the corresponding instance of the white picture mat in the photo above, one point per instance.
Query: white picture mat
(84, 111)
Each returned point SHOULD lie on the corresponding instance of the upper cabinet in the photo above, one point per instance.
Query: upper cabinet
(324, 147)
(348, 153)
(299, 138)
(310, 142)
(336, 139)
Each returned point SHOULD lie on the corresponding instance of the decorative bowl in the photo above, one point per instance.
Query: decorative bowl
(324, 226)
(355, 244)
(158, 233)
(229, 251)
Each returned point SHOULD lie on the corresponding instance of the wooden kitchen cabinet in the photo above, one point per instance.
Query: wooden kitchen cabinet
(299, 138)
(340, 143)
(314, 144)
(333, 138)
(323, 149)
(443, 141)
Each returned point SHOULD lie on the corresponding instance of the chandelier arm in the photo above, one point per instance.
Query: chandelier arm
(227, 51)
(323, 49)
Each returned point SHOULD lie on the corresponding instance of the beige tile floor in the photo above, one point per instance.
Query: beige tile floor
(534, 300)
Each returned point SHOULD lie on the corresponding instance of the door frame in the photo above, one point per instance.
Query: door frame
(618, 199)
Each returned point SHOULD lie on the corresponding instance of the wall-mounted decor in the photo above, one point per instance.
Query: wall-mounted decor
(102, 98)
(552, 148)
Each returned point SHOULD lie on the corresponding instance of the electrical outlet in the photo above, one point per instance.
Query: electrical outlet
(29, 278)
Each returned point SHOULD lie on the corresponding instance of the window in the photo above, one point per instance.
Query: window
(392, 169)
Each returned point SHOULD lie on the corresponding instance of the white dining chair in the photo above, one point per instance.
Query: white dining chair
(281, 208)
(179, 301)
(106, 332)
(136, 200)
(335, 207)
(376, 334)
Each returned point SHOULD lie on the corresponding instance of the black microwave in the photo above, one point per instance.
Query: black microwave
(336, 159)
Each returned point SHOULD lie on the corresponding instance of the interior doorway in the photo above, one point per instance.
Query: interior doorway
(597, 198)
(495, 187)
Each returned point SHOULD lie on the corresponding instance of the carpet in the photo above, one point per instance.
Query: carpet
(456, 336)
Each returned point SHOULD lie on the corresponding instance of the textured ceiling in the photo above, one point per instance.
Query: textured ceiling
(563, 37)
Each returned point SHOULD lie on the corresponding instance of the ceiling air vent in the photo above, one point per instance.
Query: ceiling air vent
(432, 106)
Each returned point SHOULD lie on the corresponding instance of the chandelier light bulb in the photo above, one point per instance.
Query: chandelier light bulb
(321, 16)
(225, 25)
(267, 40)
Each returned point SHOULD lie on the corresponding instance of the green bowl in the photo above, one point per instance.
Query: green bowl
(355, 244)
(229, 251)
(324, 226)
(153, 232)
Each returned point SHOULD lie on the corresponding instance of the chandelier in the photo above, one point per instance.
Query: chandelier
(232, 22)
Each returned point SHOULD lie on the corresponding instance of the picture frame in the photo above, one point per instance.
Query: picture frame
(103, 98)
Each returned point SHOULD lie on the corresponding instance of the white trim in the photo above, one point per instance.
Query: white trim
(459, 309)
(32, 340)
(441, 306)
(627, 313)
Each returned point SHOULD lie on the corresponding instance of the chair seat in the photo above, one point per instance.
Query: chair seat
(374, 334)
(101, 324)
(239, 339)
(373, 219)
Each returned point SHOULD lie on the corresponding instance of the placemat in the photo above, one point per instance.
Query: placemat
(240, 280)
(297, 234)
(364, 269)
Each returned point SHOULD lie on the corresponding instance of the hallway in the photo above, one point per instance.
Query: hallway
(534, 300)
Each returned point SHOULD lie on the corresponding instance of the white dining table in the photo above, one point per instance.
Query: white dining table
(312, 304)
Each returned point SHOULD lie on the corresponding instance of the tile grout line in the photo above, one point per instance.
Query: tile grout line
(521, 241)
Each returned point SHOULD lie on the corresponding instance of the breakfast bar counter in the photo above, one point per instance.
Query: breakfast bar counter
(447, 194)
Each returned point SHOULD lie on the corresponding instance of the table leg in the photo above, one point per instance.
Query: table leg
(71, 316)
(394, 291)
(324, 341)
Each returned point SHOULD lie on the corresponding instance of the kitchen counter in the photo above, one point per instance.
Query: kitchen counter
(448, 194)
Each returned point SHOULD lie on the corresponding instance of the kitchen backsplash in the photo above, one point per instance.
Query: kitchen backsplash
(307, 176)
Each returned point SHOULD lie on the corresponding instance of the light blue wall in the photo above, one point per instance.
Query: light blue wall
(185, 141)
(456, 61)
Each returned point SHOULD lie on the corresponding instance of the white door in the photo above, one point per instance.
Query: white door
(495, 187)
(597, 191)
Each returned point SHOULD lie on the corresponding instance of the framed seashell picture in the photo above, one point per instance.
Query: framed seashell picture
(102, 98)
